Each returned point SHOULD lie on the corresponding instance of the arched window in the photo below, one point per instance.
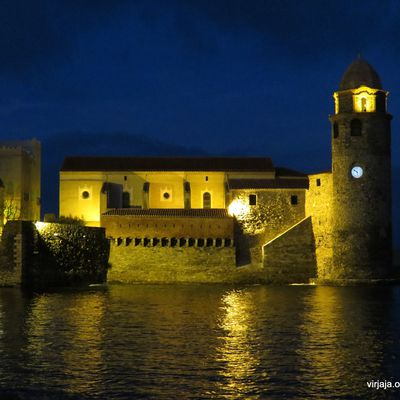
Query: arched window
(363, 104)
(355, 127)
(206, 200)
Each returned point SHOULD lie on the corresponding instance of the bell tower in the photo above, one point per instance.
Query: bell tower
(361, 174)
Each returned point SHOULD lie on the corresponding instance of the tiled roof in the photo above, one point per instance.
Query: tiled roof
(268, 183)
(289, 173)
(242, 164)
(170, 212)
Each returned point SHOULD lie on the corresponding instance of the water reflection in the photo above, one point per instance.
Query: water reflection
(64, 339)
(342, 343)
(240, 345)
(199, 342)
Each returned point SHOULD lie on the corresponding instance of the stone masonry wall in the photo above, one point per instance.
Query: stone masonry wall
(133, 264)
(319, 207)
(48, 255)
(290, 258)
(16, 249)
(260, 223)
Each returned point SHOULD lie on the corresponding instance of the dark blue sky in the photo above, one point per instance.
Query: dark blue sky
(153, 77)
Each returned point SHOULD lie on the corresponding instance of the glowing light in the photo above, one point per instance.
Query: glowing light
(238, 207)
(336, 97)
(364, 99)
(40, 225)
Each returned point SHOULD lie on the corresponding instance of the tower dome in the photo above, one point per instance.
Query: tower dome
(360, 73)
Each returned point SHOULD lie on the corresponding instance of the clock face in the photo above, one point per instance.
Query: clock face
(357, 172)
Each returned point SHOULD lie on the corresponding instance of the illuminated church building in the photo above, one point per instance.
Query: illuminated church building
(212, 217)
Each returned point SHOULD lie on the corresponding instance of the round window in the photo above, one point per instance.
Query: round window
(166, 195)
(85, 194)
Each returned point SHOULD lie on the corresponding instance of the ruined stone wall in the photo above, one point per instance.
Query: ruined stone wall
(290, 257)
(319, 208)
(130, 263)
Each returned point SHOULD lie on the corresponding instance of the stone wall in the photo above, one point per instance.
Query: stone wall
(50, 254)
(319, 207)
(361, 208)
(290, 257)
(69, 255)
(16, 250)
(132, 264)
(260, 223)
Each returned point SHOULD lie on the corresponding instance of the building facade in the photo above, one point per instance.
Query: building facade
(278, 224)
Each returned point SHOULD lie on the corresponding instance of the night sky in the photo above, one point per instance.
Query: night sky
(186, 77)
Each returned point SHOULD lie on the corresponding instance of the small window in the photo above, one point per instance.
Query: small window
(85, 194)
(252, 199)
(206, 178)
(335, 130)
(355, 127)
(294, 200)
(125, 178)
(166, 195)
(126, 201)
(318, 182)
(206, 200)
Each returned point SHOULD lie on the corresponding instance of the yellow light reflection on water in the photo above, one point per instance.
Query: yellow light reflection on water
(339, 351)
(239, 350)
(85, 316)
(76, 351)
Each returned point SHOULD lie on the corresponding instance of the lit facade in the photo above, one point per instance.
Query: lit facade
(288, 225)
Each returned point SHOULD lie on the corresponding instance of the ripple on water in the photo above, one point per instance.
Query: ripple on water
(199, 341)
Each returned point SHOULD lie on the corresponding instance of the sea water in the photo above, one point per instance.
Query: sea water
(200, 342)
